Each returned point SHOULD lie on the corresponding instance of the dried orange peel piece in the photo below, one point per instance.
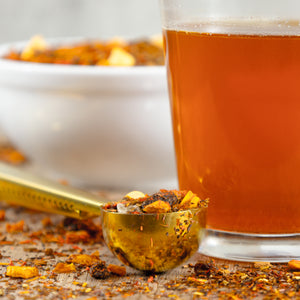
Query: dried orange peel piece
(15, 227)
(294, 264)
(158, 206)
(64, 268)
(189, 201)
(117, 270)
(2, 215)
(74, 237)
(22, 272)
(120, 57)
(36, 43)
(157, 40)
(135, 195)
(83, 259)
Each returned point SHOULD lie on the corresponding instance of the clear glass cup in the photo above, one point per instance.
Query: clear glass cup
(234, 85)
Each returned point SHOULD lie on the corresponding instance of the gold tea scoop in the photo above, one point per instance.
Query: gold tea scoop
(148, 242)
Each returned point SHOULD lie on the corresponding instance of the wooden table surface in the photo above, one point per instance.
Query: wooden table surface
(222, 280)
(21, 248)
(181, 283)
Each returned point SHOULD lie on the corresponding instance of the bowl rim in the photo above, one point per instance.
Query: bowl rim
(75, 70)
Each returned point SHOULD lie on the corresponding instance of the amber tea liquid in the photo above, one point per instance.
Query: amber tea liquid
(236, 114)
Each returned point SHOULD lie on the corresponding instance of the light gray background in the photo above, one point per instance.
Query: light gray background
(21, 19)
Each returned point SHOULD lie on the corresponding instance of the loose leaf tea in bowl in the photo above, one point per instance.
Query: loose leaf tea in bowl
(114, 52)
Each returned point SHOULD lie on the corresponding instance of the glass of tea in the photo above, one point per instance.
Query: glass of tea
(234, 85)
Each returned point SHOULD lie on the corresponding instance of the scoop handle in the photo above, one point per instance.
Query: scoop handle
(28, 190)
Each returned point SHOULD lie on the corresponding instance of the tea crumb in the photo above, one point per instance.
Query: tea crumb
(99, 271)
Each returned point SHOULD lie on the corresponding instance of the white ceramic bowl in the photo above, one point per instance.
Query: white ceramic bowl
(97, 127)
